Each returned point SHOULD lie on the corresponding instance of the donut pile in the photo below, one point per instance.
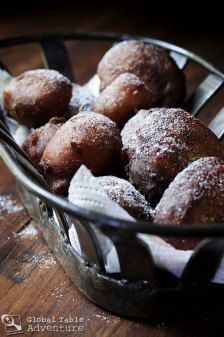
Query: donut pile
(150, 156)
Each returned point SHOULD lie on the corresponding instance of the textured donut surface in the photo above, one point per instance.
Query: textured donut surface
(35, 144)
(159, 143)
(196, 196)
(87, 138)
(126, 195)
(151, 64)
(35, 96)
(121, 99)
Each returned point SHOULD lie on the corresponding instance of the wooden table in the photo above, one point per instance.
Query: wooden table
(32, 282)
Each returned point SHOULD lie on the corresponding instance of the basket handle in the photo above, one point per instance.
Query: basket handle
(55, 56)
(203, 263)
(203, 93)
(136, 261)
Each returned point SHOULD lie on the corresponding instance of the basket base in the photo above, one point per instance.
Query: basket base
(139, 299)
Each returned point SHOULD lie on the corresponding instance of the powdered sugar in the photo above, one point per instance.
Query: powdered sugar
(164, 255)
(8, 205)
(52, 76)
(85, 191)
(130, 56)
(87, 138)
(97, 128)
(159, 143)
(196, 195)
(37, 83)
(123, 97)
(29, 232)
(123, 193)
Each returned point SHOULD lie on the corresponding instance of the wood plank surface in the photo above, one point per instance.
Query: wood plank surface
(32, 282)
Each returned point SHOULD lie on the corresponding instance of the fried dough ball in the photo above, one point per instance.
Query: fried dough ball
(159, 143)
(122, 98)
(123, 193)
(34, 145)
(151, 64)
(35, 96)
(87, 138)
(196, 196)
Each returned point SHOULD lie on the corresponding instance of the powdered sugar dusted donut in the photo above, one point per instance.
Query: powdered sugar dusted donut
(87, 138)
(121, 99)
(151, 64)
(35, 96)
(35, 144)
(123, 193)
(159, 143)
(196, 196)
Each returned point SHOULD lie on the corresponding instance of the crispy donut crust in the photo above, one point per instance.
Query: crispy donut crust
(196, 196)
(35, 96)
(159, 143)
(35, 144)
(151, 64)
(126, 195)
(121, 99)
(87, 138)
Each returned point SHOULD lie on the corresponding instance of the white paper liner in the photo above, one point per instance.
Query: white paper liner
(94, 85)
(83, 96)
(5, 77)
(85, 192)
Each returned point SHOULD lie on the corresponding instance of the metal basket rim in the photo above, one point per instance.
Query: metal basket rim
(60, 202)
(108, 36)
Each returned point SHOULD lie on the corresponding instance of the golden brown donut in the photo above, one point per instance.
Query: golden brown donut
(123, 193)
(122, 98)
(35, 96)
(159, 143)
(87, 138)
(196, 196)
(34, 145)
(151, 64)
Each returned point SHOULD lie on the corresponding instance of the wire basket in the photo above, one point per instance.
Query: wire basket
(141, 289)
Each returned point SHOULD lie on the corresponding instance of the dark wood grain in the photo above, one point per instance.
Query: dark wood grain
(32, 282)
